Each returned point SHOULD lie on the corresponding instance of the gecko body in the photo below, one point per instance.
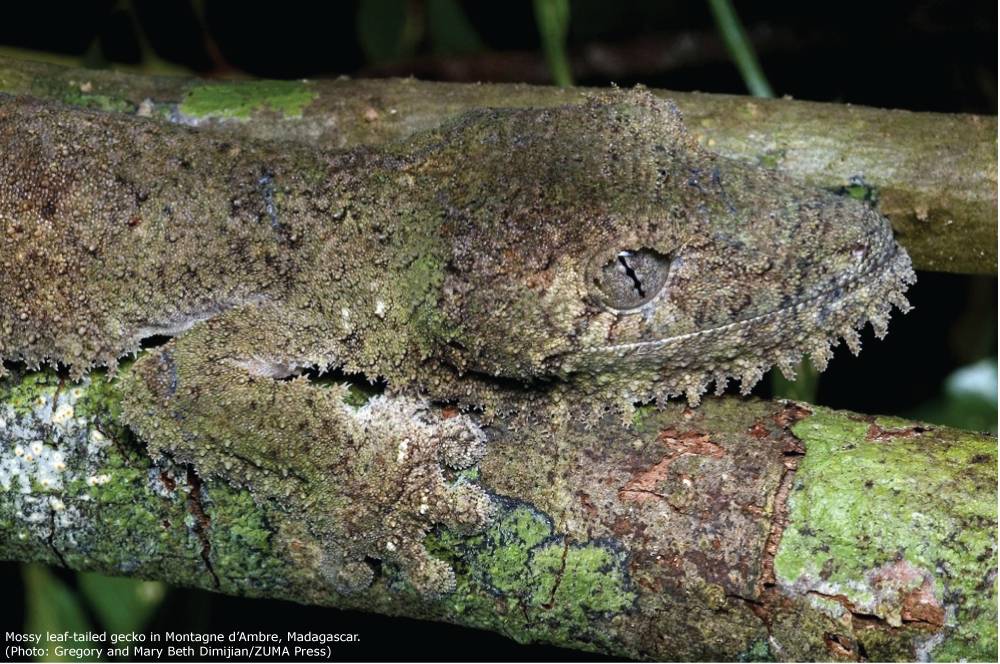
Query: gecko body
(595, 247)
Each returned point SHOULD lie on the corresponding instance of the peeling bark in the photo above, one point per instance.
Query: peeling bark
(933, 175)
(741, 529)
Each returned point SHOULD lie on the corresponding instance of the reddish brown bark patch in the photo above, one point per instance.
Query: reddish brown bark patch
(792, 451)
(790, 414)
(921, 606)
(916, 605)
(779, 518)
(643, 484)
(841, 646)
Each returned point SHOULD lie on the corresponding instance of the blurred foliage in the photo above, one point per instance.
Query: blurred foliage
(392, 30)
(552, 17)
(121, 605)
(51, 607)
(152, 63)
(968, 399)
(388, 29)
(803, 387)
(118, 605)
(450, 30)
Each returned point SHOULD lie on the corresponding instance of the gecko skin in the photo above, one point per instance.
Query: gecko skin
(593, 247)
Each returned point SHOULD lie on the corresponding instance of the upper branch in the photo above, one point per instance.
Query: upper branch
(934, 175)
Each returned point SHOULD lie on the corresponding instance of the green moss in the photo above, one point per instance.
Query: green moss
(865, 505)
(124, 521)
(511, 539)
(241, 100)
(758, 651)
(241, 553)
(642, 416)
(26, 392)
(70, 93)
(579, 581)
(358, 395)
(113, 517)
(525, 580)
(101, 399)
(859, 190)
(420, 286)
(100, 102)
(468, 474)
(14, 80)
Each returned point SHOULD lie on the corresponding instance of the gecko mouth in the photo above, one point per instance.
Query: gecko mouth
(687, 363)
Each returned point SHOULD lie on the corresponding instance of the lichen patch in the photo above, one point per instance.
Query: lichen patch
(854, 490)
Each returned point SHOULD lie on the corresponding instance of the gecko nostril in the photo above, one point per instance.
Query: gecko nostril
(632, 278)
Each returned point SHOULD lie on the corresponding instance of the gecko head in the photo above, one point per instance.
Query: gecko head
(600, 243)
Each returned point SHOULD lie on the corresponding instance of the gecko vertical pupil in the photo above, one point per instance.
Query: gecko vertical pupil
(632, 278)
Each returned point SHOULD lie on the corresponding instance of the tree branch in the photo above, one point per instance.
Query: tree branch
(933, 175)
(740, 529)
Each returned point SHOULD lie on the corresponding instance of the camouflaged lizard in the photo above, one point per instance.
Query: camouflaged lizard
(592, 247)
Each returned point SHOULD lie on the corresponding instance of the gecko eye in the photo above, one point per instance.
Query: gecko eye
(632, 278)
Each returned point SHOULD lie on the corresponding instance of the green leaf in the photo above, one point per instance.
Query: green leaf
(450, 31)
(552, 17)
(122, 605)
(51, 607)
(739, 47)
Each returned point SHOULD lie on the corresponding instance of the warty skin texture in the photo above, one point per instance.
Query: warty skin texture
(590, 248)
(477, 248)
(601, 246)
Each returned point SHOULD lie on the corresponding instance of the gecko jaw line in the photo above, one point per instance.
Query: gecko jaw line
(881, 266)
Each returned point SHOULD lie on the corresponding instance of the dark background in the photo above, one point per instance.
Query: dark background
(927, 55)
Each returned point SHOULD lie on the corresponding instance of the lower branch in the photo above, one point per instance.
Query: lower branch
(743, 529)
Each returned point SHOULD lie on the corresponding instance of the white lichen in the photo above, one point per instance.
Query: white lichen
(44, 450)
(63, 414)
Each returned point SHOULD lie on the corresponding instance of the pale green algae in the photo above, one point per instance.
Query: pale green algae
(873, 496)
(523, 579)
(242, 99)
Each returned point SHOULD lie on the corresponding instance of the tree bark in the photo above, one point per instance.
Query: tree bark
(741, 529)
(933, 175)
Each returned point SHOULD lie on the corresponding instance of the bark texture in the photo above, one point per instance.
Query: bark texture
(739, 530)
(933, 175)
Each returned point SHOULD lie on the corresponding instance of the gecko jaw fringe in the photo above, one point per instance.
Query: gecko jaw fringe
(869, 303)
